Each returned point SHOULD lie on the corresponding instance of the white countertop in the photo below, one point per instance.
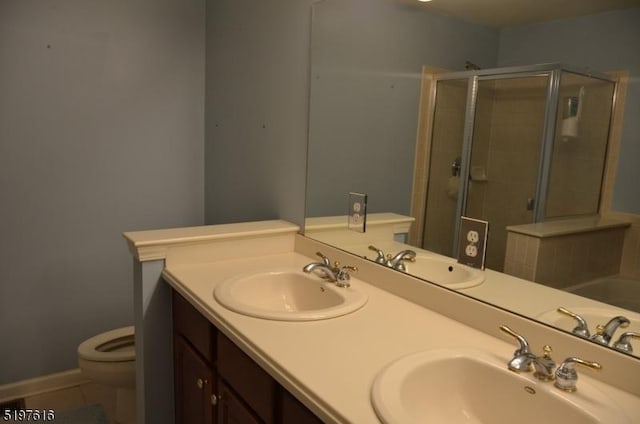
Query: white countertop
(340, 221)
(532, 300)
(330, 364)
(562, 227)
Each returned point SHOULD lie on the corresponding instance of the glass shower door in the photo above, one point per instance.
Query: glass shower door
(504, 158)
(514, 146)
(445, 165)
(580, 146)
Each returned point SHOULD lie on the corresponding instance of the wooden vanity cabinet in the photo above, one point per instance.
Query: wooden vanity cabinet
(292, 411)
(252, 384)
(195, 379)
(231, 409)
(194, 384)
(216, 382)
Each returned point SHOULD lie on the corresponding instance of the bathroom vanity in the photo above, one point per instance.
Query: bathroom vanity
(215, 382)
(226, 365)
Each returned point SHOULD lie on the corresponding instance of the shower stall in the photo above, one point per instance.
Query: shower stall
(514, 146)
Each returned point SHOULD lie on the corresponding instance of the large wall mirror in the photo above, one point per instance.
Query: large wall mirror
(524, 120)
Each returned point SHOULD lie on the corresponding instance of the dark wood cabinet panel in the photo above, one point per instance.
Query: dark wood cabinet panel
(294, 412)
(194, 383)
(232, 410)
(216, 382)
(251, 382)
(193, 326)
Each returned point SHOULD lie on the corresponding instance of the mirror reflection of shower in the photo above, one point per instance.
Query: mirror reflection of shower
(531, 144)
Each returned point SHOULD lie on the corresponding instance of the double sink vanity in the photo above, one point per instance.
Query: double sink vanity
(271, 329)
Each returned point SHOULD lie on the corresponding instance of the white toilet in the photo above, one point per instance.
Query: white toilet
(109, 359)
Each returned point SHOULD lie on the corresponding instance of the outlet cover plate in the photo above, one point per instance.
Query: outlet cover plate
(472, 242)
(357, 212)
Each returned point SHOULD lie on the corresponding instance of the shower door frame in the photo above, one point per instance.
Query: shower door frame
(554, 73)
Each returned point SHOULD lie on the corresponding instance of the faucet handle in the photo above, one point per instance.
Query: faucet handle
(624, 342)
(581, 329)
(345, 269)
(524, 345)
(566, 375)
(380, 258)
(343, 277)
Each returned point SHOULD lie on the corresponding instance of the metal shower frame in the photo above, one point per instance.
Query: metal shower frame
(551, 70)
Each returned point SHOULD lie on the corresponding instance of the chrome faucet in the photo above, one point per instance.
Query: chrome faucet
(624, 342)
(605, 333)
(398, 261)
(566, 375)
(523, 359)
(333, 273)
(394, 261)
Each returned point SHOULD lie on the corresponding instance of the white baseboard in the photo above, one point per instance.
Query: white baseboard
(42, 384)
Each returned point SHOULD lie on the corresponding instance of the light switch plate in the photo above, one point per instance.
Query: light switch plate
(472, 242)
(357, 212)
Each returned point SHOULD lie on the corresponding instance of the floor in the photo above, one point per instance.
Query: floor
(75, 397)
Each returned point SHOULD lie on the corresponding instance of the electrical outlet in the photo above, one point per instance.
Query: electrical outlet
(357, 212)
(472, 242)
(471, 250)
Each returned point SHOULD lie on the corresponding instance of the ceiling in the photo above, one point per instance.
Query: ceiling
(510, 13)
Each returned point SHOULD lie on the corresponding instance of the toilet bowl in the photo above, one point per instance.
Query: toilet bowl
(109, 359)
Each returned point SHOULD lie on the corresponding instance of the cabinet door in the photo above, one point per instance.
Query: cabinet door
(194, 383)
(250, 382)
(231, 410)
(294, 412)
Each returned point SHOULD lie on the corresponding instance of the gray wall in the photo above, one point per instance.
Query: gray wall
(604, 42)
(257, 109)
(101, 131)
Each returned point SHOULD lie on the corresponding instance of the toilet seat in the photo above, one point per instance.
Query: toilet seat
(111, 346)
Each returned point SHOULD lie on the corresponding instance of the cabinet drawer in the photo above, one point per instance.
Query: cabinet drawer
(251, 382)
(189, 322)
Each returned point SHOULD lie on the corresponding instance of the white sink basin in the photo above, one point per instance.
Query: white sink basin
(287, 295)
(445, 272)
(593, 315)
(470, 386)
